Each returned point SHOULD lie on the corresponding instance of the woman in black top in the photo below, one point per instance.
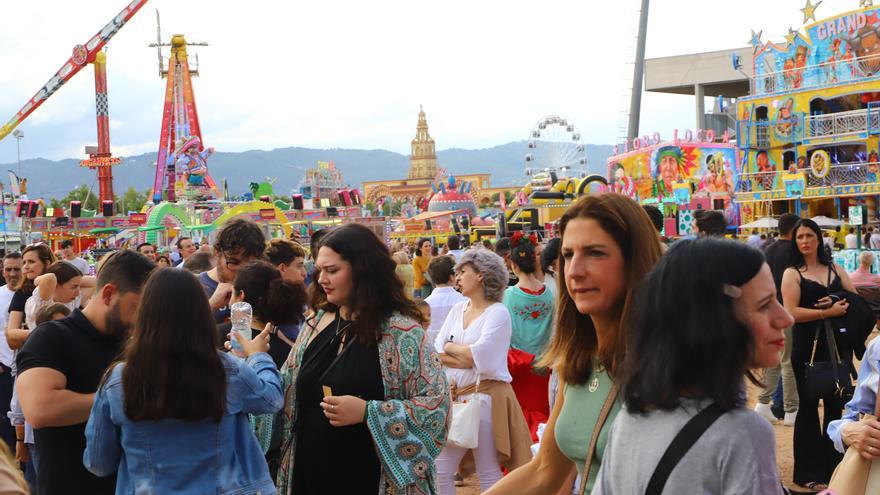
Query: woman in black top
(273, 299)
(36, 258)
(805, 293)
(366, 399)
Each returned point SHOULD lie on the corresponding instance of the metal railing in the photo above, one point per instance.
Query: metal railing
(758, 133)
(838, 124)
(812, 76)
(840, 175)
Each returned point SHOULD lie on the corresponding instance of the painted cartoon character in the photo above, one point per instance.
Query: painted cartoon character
(193, 162)
(800, 64)
(820, 164)
(788, 73)
(831, 63)
(873, 166)
(866, 47)
(718, 178)
(766, 170)
(620, 182)
(785, 124)
(668, 171)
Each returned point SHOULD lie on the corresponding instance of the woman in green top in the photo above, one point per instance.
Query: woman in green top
(608, 245)
(530, 304)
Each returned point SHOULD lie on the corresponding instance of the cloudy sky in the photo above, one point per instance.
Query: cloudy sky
(352, 74)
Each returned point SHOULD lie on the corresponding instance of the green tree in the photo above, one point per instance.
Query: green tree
(80, 193)
(132, 200)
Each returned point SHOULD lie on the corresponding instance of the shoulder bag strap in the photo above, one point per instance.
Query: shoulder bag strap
(594, 438)
(683, 441)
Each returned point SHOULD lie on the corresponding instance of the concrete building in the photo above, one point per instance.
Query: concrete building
(709, 74)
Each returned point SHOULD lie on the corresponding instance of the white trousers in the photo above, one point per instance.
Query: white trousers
(485, 457)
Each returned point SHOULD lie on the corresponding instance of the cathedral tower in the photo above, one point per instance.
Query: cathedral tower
(423, 162)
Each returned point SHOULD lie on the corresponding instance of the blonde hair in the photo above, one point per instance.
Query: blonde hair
(575, 343)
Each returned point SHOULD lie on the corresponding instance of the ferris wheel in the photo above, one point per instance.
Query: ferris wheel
(555, 146)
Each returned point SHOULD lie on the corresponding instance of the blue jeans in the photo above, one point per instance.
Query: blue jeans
(30, 468)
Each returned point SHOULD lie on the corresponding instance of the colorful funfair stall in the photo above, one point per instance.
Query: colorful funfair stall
(808, 132)
(688, 173)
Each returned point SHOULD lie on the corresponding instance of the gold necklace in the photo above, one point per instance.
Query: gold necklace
(598, 368)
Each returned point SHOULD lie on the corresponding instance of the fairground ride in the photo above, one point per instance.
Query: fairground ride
(100, 157)
(181, 165)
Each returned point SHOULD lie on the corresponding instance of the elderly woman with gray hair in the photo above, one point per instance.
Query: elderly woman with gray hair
(473, 345)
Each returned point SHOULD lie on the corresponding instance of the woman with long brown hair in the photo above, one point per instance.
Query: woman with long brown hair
(36, 259)
(608, 245)
(172, 416)
(366, 402)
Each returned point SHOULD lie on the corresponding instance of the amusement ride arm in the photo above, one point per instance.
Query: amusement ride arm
(82, 55)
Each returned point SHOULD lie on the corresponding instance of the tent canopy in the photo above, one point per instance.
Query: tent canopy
(762, 223)
(824, 221)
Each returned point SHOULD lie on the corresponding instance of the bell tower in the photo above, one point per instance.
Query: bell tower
(423, 162)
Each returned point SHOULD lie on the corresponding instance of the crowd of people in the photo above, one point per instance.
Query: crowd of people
(601, 360)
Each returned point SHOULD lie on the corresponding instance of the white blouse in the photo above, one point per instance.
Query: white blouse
(35, 303)
(488, 337)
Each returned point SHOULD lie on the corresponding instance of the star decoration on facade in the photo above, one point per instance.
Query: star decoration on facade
(756, 39)
(791, 36)
(866, 3)
(809, 10)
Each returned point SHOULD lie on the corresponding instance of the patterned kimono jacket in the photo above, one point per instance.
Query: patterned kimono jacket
(408, 429)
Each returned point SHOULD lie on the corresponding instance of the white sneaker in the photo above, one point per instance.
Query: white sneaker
(764, 411)
(789, 418)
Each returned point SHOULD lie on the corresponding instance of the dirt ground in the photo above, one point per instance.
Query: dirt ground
(784, 457)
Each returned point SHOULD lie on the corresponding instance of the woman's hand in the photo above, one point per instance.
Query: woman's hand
(836, 310)
(864, 436)
(249, 347)
(344, 410)
(22, 454)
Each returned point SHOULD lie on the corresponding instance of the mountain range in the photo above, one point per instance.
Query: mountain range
(54, 178)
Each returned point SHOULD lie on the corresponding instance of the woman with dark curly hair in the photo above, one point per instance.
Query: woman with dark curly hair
(366, 400)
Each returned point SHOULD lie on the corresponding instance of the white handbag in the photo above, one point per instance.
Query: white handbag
(465, 428)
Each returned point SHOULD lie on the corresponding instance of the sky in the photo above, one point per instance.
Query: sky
(352, 74)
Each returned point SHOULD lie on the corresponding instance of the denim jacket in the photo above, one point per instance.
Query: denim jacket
(180, 457)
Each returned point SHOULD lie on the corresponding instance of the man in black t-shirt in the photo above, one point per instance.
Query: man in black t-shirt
(778, 256)
(61, 365)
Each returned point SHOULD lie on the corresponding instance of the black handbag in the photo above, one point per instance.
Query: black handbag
(832, 378)
(827, 378)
